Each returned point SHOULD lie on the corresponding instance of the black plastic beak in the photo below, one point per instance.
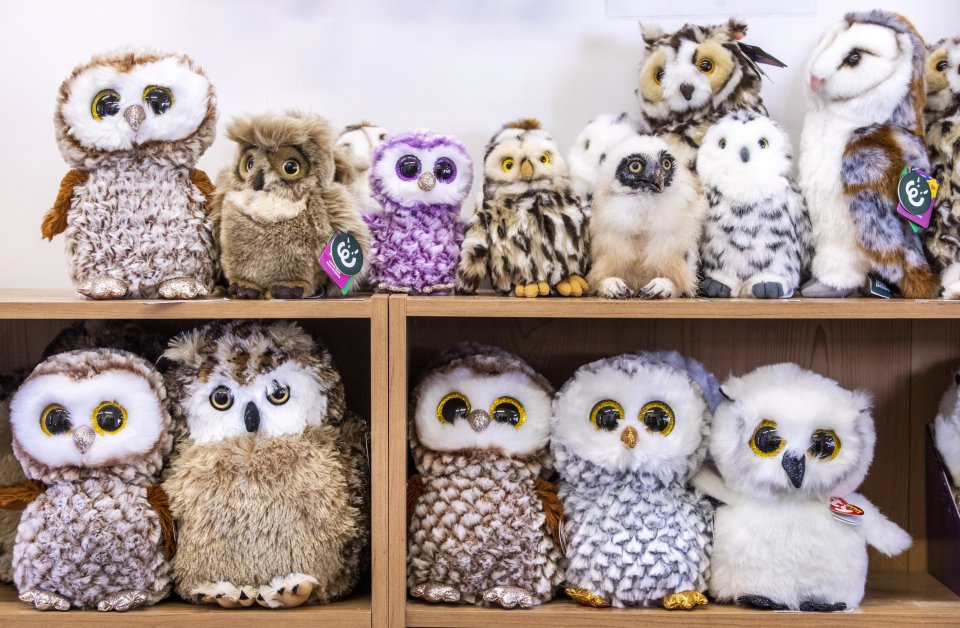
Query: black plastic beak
(686, 90)
(744, 154)
(251, 417)
(794, 465)
(258, 181)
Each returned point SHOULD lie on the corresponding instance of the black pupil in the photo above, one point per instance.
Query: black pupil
(636, 165)
(659, 75)
(766, 440)
(409, 166)
(853, 59)
(250, 164)
(279, 392)
(57, 421)
(291, 167)
(942, 66)
(453, 409)
(443, 170)
(656, 419)
(108, 105)
(506, 412)
(221, 397)
(158, 99)
(705, 66)
(607, 418)
(110, 418)
(823, 445)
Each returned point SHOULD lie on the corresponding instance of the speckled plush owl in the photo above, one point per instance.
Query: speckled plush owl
(10, 473)
(529, 235)
(132, 125)
(420, 179)
(269, 482)
(482, 520)
(91, 429)
(354, 153)
(627, 435)
(278, 205)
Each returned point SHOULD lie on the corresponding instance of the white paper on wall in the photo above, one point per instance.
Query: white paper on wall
(707, 8)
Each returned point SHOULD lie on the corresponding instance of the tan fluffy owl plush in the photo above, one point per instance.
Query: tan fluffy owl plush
(277, 206)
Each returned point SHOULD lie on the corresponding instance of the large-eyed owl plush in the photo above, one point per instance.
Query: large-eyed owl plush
(529, 234)
(132, 125)
(278, 205)
(269, 482)
(354, 151)
(628, 433)
(792, 447)
(864, 125)
(91, 430)
(482, 519)
(420, 180)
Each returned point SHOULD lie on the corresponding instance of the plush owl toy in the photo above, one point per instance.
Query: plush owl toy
(269, 482)
(756, 238)
(420, 180)
(132, 125)
(354, 153)
(947, 429)
(864, 126)
(589, 150)
(277, 206)
(646, 222)
(10, 472)
(483, 522)
(91, 429)
(628, 433)
(529, 235)
(792, 447)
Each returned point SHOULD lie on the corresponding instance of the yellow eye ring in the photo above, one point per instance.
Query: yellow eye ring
(282, 398)
(545, 158)
(456, 410)
(98, 420)
(504, 414)
(836, 445)
(763, 436)
(654, 422)
(706, 66)
(603, 422)
(507, 164)
(635, 166)
(109, 108)
(54, 407)
(666, 164)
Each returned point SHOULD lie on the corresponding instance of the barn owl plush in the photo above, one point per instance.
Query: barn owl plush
(483, 523)
(947, 429)
(792, 447)
(589, 150)
(132, 125)
(355, 148)
(864, 126)
(756, 238)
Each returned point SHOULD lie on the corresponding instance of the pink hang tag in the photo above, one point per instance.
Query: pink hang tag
(341, 259)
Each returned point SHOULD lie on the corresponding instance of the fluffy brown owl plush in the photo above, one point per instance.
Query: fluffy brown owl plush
(277, 206)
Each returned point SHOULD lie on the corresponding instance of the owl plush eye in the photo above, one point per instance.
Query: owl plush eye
(221, 398)
(55, 420)
(408, 167)
(723, 143)
(706, 66)
(545, 158)
(507, 164)
(509, 411)
(658, 77)
(852, 59)
(279, 395)
(765, 441)
(658, 417)
(291, 167)
(445, 170)
(763, 143)
(666, 163)
(635, 165)
(158, 98)
(249, 163)
(941, 65)
(105, 104)
(824, 445)
(109, 418)
(606, 415)
(452, 407)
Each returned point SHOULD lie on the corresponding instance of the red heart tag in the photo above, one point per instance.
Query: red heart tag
(840, 506)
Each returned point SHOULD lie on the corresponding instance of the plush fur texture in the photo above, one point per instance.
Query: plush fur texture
(273, 225)
(480, 521)
(589, 150)
(10, 473)
(756, 239)
(136, 220)
(355, 147)
(418, 232)
(635, 532)
(818, 560)
(947, 430)
(127, 336)
(298, 476)
(865, 124)
(645, 227)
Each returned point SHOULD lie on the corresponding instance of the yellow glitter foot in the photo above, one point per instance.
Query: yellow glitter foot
(587, 598)
(684, 600)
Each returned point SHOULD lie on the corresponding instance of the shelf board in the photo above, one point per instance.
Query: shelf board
(904, 599)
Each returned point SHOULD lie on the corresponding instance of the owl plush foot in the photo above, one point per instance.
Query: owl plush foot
(44, 600)
(103, 288)
(122, 601)
(714, 289)
(759, 601)
(613, 288)
(951, 291)
(226, 594)
(508, 597)
(181, 288)
(819, 607)
(768, 290)
(532, 290)
(287, 591)
(816, 289)
(585, 597)
(684, 600)
(294, 290)
(659, 288)
(435, 592)
(573, 286)
(238, 291)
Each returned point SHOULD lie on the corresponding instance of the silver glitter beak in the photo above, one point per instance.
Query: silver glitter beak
(427, 181)
(134, 115)
(83, 437)
(479, 420)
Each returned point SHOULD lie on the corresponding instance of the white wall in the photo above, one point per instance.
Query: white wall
(453, 66)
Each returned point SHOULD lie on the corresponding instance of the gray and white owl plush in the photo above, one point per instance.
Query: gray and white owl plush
(792, 446)
(947, 429)
(756, 238)
(628, 433)
(589, 150)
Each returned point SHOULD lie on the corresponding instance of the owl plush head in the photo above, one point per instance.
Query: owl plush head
(521, 155)
(943, 76)
(784, 431)
(589, 150)
(636, 413)
(420, 169)
(142, 102)
(745, 155)
(357, 143)
(251, 379)
(475, 397)
(91, 413)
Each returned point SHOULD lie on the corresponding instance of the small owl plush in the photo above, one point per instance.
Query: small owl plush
(482, 520)
(420, 180)
(646, 222)
(529, 235)
(628, 433)
(589, 150)
(864, 125)
(354, 152)
(947, 429)
(269, 482)
(10, 473)
(792, 447)
(91, 430)
(132, 125)
(756, 238)
(277, 206)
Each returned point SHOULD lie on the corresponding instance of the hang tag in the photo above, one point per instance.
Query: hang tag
(879, 288)
(759, 55)
(916, 193)
(845, 512)
(341, 259)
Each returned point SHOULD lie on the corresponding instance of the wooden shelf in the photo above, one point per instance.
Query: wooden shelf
(905, 599)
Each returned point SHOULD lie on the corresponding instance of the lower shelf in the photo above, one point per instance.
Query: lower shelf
(903, 599)
(352, 613)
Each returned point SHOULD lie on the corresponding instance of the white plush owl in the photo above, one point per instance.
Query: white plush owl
(354, 151)
(589, 150)
(947, 428)
(792, 447)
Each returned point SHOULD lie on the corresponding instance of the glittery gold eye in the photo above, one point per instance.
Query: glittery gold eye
(545, 158)
(606, 415)
(109, 418)
(658, 417)
(507, 164)
(106, 103)
(452, 407)
(55, 420)
(509, 411)
(824, 445)
(765, 441)
(279, 395)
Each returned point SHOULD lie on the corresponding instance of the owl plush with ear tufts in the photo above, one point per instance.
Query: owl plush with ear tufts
(589, 150)
(483, 523)
(277, 206)
(354, 151)
(529, 234)
(864, 126)
(792, 447)
(132, 125)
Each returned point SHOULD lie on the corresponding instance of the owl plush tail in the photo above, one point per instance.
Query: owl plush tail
(916, 280)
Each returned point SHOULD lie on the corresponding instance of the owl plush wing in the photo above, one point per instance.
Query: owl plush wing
(552, 509)
(475, 254)
(18, 496)
(354, 443)
(158, 500)
(802, 228)
(202, 182)
(55, 222)
(414, 491)
(887, 537)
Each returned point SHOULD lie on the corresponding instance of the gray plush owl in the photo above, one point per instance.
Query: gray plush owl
(628, 433)
(91, 429)
(269, 482)
(529, 235)
(482, 520)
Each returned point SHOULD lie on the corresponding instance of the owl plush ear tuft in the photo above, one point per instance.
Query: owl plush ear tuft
(736, 29)
(524, 124)
(650, 33)
(185, 348)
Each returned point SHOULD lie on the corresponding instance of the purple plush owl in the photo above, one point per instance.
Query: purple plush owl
(419, 179)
